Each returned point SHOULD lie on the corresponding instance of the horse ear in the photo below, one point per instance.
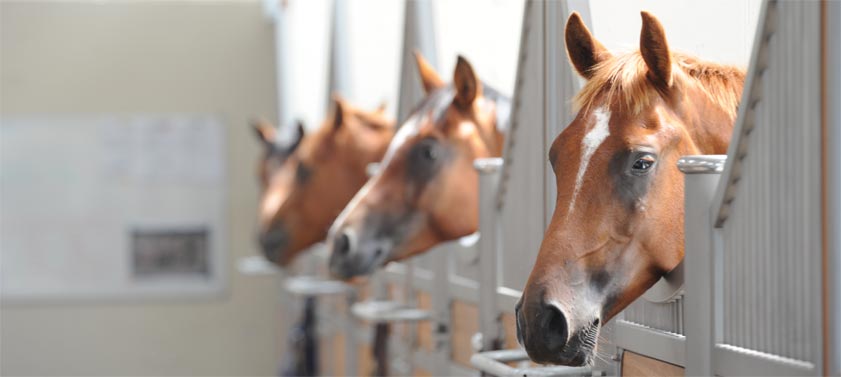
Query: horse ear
(338, 111)
(430, 79)
(467, 84)
(583, 49)
(299, 135)
(265, 132)
(655, 50)
(381, 108)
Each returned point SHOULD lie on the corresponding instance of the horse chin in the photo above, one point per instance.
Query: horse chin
(349, 267)
(286, 258)
(580, 350)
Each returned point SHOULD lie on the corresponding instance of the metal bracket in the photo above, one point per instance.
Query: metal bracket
(388, 311)
(256, 266)
(668, 289)
(494, 363)
(309, 286)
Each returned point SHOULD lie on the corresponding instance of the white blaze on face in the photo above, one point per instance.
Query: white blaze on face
(409, 128)
(591, 141)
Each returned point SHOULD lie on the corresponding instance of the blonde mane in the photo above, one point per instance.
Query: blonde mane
(623, 78)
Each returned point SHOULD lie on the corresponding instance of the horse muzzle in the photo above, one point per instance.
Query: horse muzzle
(350, 258)
(273, 244)
(543, 329)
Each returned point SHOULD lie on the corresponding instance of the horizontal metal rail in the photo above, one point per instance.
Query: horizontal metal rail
(495, 363)
(256, 266)
(315, 286)
(388, 311)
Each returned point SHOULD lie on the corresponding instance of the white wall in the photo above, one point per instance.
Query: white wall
(486, 32)
(156, 57)
(717, 30)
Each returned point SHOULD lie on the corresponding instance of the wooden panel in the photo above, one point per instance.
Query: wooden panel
(363, 291)
(397, 293)
(424, 327)
(465, 324)
(366, 361)
(638, 365)
(509, 326)
(337, 357)
(420, 372)
(325, 348)
(331, 355)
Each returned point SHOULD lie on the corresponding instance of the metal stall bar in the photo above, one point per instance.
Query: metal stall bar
(832, 186)
(490, 325)
(278, 14)
(701, 174)
(495, 364)
(338, 80)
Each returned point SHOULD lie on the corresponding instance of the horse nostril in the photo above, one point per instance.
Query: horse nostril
(555, 328)
(272, 240)
(342, 244)
(271, 243)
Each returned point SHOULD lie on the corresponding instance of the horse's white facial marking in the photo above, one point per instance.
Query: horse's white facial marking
(410, 128)
(591, 141)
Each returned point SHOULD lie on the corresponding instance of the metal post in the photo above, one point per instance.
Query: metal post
(490, 170)
(441, 304)
(832, 179)
(418, 34)
(338, 79)
(282, 71)
(700, 181)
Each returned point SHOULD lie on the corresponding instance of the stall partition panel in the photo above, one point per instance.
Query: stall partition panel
(768, 208)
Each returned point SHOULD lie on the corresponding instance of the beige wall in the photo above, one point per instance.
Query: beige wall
(158, 57)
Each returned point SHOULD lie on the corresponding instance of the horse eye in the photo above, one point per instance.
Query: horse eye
(302, 173)
(643, 164)
(429, 152)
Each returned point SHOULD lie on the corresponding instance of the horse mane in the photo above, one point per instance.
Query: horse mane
(437, 102)
(623, 78)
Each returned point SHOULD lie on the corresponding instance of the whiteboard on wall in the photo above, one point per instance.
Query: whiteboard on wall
(112, 206)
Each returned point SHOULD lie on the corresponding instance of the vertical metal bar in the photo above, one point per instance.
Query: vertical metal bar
(418, 34)
(351, 341)
(489, 173)
(832, 189)
(282, 72)
(767, 262)
(784, 72)
(338, 79)
(698, 268)
(777, 134)
(442, 313)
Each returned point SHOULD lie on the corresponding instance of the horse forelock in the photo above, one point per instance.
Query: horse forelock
(621, 80)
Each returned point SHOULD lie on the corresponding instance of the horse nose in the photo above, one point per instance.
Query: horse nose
(544, 332)
(341, 245)
(345, 261)
(555, 327)
(272, 242)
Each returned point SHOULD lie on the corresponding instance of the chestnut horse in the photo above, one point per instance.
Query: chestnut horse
(307, 183)
(426, 191)
(618, 221)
